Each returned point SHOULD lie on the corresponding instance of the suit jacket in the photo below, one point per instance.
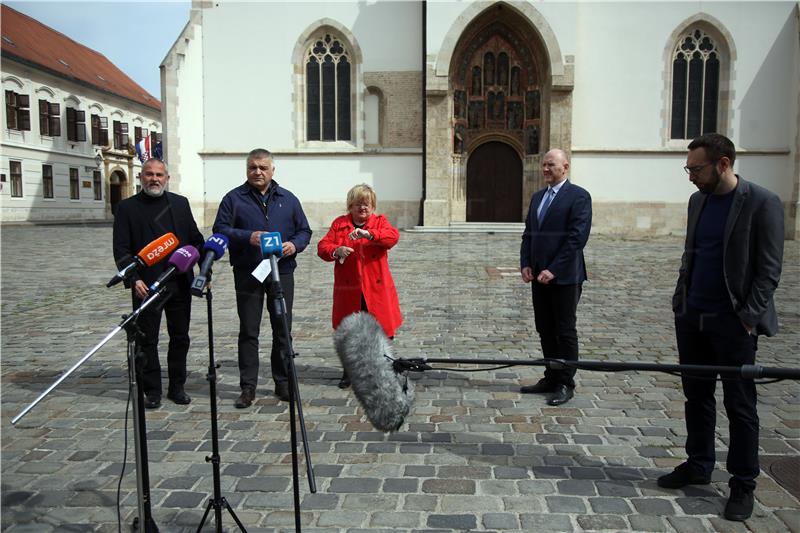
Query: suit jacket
(558, 244)
(133, 231)
(752, 254)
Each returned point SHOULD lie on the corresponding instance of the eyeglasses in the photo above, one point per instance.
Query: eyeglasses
(696, 169)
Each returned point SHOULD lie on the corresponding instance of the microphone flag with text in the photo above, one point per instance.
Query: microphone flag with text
(271, 245)
(214, 249)
(366, 356)
(155, 252)
(182, 261)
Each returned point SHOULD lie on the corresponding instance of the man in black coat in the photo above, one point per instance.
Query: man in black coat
(138, 221)
(551, 256)
(729, 271)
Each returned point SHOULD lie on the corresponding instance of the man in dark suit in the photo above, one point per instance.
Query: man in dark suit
(551, 256)
(138, 221)
(729, 271)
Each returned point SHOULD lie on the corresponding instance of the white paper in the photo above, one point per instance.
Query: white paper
(262, 270)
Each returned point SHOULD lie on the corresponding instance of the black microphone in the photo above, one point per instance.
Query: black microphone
(366, 356)
(214, 248)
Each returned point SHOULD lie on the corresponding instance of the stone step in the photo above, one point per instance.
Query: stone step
(472, 227)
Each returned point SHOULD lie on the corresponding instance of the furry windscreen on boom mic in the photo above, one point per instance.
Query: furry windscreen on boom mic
(366, 355)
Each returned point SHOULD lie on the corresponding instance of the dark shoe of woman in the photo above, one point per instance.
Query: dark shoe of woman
(344, 383)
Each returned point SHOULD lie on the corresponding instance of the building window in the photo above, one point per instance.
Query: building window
(139, 133)
(16, 178)
(328, 71)
(99, 130)
(76, 125)
(121, 139)
(695, 85)
(156, 148)
(97, 183)
(49, 118)
(74, 185)
(47, 181)
(18, 115)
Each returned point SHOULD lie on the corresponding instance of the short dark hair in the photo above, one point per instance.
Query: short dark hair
(716, 145)
(259, 153)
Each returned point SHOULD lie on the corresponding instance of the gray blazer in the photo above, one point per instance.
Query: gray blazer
(752, 254)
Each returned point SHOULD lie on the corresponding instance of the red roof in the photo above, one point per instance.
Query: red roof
(29, 41)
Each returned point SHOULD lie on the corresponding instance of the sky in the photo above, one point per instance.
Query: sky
(135, 36)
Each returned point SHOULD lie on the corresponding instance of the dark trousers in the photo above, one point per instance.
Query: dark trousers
(250, 306)
(178, 309)
(554, 308)
(719, 339)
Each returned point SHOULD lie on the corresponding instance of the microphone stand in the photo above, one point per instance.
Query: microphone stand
(217, 501)
(421, 364)
(294, 396)
(145, 518)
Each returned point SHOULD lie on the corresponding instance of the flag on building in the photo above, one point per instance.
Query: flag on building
(143, 148)
(158, 151)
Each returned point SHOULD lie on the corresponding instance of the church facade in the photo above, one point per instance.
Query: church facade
(447, 107)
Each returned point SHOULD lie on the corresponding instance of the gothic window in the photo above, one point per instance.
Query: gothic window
(328, 81)
(695, 85)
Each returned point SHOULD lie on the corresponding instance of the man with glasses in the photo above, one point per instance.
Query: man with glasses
(730, 268)
(259, 206)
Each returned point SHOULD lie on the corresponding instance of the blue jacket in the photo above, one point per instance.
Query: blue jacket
(558, 244)
(241, 213)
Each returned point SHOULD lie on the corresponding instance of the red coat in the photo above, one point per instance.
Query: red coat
(365, 271)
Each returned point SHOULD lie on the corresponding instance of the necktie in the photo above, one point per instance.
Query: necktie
(548, 197)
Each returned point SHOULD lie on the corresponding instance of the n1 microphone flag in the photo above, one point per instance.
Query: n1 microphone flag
(156, 251)
(143, 148)
(214, 248)
(271, 244)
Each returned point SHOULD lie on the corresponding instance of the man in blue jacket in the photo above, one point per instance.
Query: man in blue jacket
(259, 206)
(551, 256)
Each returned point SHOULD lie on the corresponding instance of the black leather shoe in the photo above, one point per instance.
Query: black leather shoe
(344, 383)
(179, 396)
(684, 474)
(245, 399)
(542, 386)
(282, 391)
(152, 402)
(740, 504)
(561, 395)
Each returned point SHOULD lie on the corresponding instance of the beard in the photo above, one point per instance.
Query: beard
(711, 186)
(154, 191)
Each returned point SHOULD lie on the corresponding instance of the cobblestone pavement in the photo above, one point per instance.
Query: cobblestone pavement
(474, 455)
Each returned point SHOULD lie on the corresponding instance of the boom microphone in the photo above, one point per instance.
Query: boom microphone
(366, 357)
(148, 256)
(214, 248)
(180, 262)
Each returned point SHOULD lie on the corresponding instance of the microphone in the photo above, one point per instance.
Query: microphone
(148, 256)
(366, 356)
(271, 244)
(180, 262)
(214, 248)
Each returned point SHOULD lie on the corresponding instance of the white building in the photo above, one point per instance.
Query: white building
(446, 107)
(69, 124)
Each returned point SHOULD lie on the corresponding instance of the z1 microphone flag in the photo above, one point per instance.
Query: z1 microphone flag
(214, 248)
(155, 252)
(366, 356)
(271, 244)
(183, 260)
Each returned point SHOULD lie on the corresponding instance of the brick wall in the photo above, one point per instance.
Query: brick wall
(401, 107)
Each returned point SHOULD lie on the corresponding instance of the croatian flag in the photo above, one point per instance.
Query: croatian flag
(143, 149)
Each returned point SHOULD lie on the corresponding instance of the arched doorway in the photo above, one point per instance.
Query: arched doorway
(494, 184)
(117, 186)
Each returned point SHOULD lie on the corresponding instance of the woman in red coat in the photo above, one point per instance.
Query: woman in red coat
(359, 242)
